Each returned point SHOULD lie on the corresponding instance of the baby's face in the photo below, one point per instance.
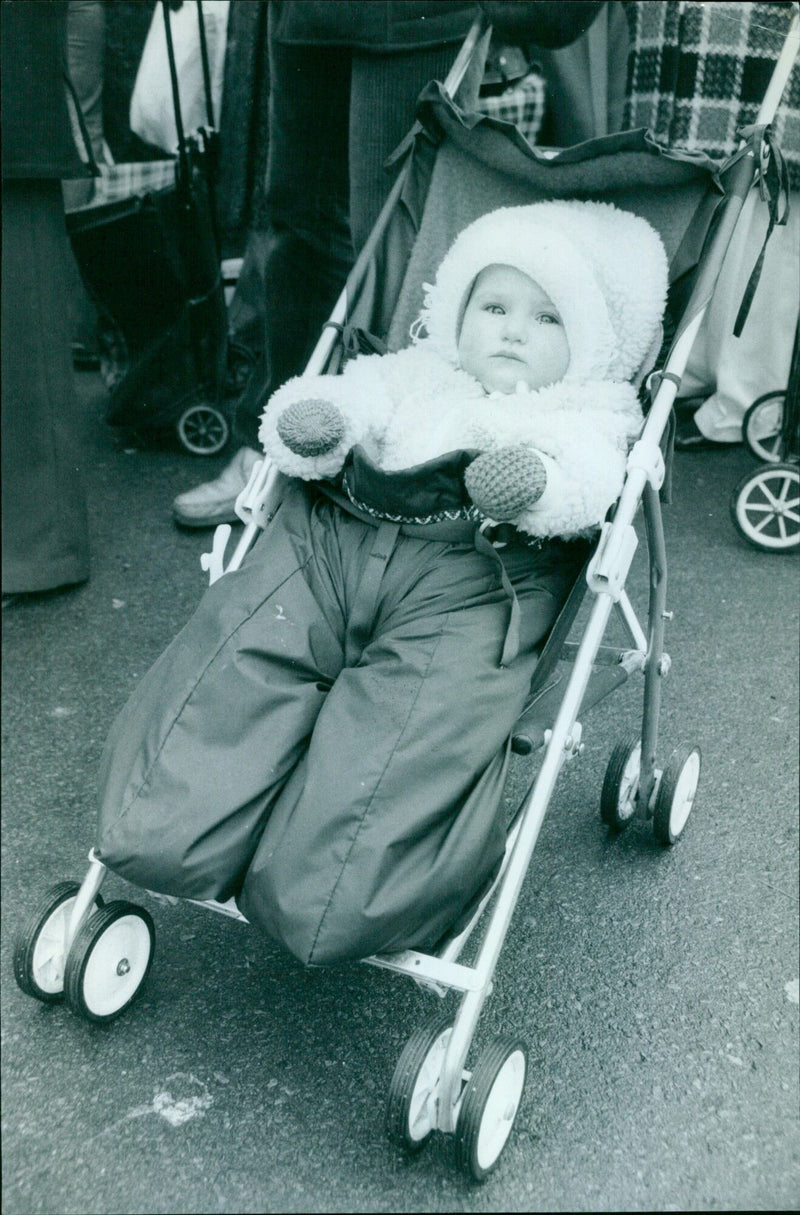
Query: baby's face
(511, 331)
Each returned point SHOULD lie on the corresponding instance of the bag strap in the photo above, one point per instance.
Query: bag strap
(183, 157)
(201, 26)
(773, 184)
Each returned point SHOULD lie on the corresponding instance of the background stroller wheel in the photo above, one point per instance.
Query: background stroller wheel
(676, 793)
(621, 783)
(203, 429)
(765, 508)
(408, 1115)
(109, 961)
(40, 945)
(489, 1106)
(761, 427)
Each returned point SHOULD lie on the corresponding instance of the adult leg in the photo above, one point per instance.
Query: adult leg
(383, 100)
(306, 200)
(307, 251)
(45, 532)
(246, 309)
(735, 371)
(243, 125)
(391, 821)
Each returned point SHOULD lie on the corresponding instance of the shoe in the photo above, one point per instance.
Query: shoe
(214, 501)
(689, 437)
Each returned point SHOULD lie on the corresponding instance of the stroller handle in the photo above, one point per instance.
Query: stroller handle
(183, 159)
(471, 47)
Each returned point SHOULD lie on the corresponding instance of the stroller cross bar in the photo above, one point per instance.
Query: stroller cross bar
(429, 970)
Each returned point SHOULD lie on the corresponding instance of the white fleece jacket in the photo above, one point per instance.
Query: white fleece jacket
(605, 269)
(409, 407)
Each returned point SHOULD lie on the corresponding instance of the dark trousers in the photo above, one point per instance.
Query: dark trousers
(45, 538)
(335, 116)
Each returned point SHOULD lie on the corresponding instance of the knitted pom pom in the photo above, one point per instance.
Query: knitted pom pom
(504, 483)
(311, 428)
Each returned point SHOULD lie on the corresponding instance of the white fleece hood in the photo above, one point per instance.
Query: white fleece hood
(604, 269)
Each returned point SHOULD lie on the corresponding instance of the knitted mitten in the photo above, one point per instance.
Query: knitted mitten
(311, 428)
(504, 483)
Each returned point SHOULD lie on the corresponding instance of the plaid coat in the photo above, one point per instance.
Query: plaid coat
(698, 72)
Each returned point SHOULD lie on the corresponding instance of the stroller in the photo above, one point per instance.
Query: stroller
(457, 166)
(149, 256)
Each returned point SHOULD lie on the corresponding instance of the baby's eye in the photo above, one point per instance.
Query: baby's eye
(548, 318)
(495, 309)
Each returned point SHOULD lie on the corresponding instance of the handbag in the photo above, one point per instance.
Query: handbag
(152, 109)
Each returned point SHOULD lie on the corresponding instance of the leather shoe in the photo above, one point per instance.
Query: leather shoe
(214, 501)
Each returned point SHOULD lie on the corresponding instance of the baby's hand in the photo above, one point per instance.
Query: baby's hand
(312, 427)
(504, 483)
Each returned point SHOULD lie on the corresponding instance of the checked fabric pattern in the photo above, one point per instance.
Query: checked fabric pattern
(126, 180)
(698, 72)
(522, 104)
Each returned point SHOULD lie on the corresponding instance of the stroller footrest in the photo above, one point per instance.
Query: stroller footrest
(529, 732)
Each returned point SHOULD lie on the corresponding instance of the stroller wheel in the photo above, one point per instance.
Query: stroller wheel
(109, 960)
(409, 1111)
(40, 947)
(761, 427)
(676, 794)
(489, 1107)
(621, 784)
(203, 429)
(765, 508)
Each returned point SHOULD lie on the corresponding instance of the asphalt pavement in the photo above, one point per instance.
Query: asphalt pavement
(657, 989)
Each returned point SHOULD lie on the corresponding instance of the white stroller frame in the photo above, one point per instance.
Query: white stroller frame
(431, 1089)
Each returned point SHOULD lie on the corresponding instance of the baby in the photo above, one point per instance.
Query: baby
(327, 738)
(546, 310)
